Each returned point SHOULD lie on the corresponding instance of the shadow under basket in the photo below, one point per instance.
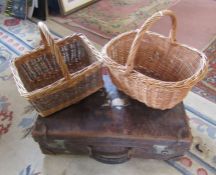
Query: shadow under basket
(151, 68)
(59, 74)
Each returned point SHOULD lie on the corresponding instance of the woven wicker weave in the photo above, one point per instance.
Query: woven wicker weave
(151, 68)
(59, 74)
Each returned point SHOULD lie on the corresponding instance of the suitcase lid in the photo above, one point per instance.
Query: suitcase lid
(110, 114)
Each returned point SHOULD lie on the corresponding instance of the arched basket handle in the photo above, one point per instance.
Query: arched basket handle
(50, 43)
(141, 32)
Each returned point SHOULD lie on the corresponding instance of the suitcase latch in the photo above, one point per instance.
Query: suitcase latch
(162, 149)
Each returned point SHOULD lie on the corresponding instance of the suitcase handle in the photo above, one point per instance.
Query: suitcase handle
(110, 157)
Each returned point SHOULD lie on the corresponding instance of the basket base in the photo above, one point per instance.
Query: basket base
(47, 113)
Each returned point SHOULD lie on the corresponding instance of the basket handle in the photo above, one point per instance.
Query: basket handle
(50, 43)
(146, 26)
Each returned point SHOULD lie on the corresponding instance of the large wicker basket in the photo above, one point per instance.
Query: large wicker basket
(59, 74)
(151, 68)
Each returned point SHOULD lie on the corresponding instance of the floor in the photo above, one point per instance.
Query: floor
(21, 155)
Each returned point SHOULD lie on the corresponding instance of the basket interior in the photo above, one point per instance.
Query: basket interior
(39, 68)
(156, 57)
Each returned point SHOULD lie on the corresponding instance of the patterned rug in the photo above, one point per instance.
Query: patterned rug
(111, 17)
(21, 155)
(207, 87)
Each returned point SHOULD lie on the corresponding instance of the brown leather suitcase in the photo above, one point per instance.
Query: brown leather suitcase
(111, 128)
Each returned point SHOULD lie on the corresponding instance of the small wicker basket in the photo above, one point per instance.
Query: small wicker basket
(59, 74)
(151, 68)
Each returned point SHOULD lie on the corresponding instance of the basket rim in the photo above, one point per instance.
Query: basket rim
(29, 94)
(55, 85)
(60, 41)
(199, 74)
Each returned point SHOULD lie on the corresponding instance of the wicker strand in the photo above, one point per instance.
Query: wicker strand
(42, 75)
(141, 32)
(49, 42)
(164, 70)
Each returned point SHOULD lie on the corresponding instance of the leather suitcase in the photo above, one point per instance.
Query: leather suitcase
(111, 128)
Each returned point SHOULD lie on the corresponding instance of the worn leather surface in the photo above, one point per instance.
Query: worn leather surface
(111, 127)
(111, 114)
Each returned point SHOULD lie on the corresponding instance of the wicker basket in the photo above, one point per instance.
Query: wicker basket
(151, 68)
(59, 74)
